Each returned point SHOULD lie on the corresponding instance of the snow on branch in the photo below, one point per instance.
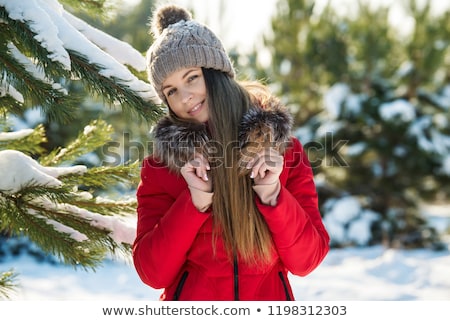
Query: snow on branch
(19, 170)
(15, 135)
(76, 41)
(33, 69)
(120, 230)
(7, 89)
(32, 13)
(120, 50)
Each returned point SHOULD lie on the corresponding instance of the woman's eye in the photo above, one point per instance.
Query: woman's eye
(170, 92)
(191, 78)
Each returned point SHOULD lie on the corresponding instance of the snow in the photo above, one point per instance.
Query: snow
(30, 119)
(19, 170)
(7, 136)
(35, 71)
(428, 130)
(121, 229)
(356, 149)
(398, 109)
(334, 98)
(446, 165)
(6, 89)
(32, 13)
(428, 138)
(347, 222)
(121, 51)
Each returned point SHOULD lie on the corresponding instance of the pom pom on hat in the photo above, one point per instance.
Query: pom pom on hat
(167, 16)
(181, 42)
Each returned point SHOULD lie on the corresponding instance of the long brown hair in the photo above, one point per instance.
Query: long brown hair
(243, 229)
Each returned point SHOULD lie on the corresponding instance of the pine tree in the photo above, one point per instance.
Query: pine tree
(307, 53)
(62, 207)
(372, 107)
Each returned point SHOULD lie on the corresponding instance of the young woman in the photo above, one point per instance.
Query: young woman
(227, 205)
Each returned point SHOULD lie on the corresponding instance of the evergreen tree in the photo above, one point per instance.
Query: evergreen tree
(372, 108)
(307, 53)
(131, 25)
(65, 209)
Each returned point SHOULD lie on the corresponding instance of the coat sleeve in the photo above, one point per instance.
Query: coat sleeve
(166, 227)
(300, 237)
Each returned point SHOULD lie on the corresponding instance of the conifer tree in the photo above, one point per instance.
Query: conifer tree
(372, 107)
(62, 207)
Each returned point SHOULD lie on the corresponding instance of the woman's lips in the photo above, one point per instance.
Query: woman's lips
(196, 109)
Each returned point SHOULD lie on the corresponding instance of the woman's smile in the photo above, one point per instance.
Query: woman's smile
(196, 109)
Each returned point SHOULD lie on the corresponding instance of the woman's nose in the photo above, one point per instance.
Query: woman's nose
(186, 95)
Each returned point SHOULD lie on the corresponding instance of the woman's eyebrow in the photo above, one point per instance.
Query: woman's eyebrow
(188, 72)
(182, 77)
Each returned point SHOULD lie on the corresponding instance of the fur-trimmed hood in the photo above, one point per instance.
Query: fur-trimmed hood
(266, 123)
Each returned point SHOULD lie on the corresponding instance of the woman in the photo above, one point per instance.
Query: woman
(227, 205)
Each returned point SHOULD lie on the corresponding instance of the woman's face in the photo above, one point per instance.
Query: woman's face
(185, 91)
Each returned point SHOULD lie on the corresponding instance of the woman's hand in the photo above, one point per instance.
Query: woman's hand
(266, 166)
(195, 173)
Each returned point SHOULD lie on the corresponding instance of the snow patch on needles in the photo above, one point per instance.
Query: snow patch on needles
(111, 68)
(19, 170)
(121, 231)
(120, 50)
(6, 89)
(398, 110)
(74, 234)
(7, 136)
(35, 71)
(32, 13)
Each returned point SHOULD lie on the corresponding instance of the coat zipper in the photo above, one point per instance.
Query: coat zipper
(286, 289)
(236, 278)
(180, 285)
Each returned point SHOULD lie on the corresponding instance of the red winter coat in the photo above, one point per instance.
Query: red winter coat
(173, 248)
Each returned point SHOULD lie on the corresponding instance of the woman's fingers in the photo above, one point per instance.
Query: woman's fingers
(268, 161)
(201, 166)
(195, 173)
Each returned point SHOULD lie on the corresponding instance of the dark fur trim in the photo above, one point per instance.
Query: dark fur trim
(177, 142)
(269, 127)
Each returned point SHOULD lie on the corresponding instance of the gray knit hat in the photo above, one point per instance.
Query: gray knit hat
(181, 42)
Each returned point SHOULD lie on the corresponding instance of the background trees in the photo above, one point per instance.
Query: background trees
(372, 107)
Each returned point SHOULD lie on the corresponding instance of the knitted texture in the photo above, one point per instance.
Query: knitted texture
(181, 42)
